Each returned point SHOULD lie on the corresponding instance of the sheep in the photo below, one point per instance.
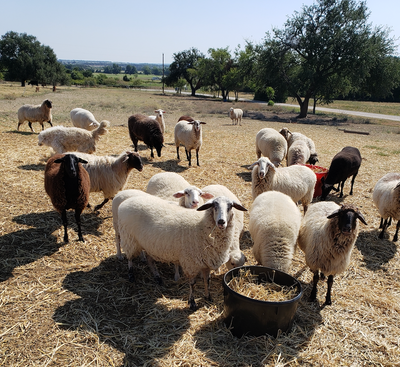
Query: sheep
(386, 197)
(65, 139)
(296, 181)
(190, 137)
(327, 236)
(165, 231)
(35, 113)
(236, 115)
(274, 226)
(298, 153)
(109, 174)
(344, 164)
(68, 184)
(159, 117)
(147, 130)
(292, 137)
(271, 144)
(84, 119)
(186, 118)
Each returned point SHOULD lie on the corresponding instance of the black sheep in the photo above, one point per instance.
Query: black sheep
(146, 129)
(68, 185)
(344, 164)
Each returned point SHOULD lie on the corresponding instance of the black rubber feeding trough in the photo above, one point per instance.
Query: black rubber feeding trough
(248, 316)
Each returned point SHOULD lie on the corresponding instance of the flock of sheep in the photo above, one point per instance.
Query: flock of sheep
(199, 229)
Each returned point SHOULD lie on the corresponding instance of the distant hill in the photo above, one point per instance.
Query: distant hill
(102, 64)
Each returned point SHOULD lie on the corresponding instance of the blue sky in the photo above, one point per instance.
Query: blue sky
(141, 31)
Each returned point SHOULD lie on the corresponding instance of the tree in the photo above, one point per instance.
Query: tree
(325, 50)
(146, 70)
(186, 66)
(22, 57)
(130, 69)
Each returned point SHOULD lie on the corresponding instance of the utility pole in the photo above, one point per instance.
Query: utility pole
(163, 73)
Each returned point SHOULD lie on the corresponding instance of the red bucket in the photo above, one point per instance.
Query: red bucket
(319, 172)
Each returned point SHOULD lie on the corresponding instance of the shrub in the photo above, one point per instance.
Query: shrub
(271, 102)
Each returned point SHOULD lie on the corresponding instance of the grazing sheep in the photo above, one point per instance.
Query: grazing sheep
(109, 174)
(35, 113)
(271, 144)
(344, 164)
(274, 226)
(65, 139)
(327, 236)
(386, 197)
(296, 181)
(186, 118)
(84, 119)
(292, 137)
(190, 137)
(165, 230)
(159, 117)
(148, 130)
(68, 185)
(298, 153)
(236, 115)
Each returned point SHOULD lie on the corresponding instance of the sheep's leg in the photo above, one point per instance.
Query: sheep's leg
(153, 268)
(197, 157)
(206, 278)
(65, 223)
(352, 183)
(190, 157)
(187, 154)
(30, 125)
(131, 277)
(49, 123)
(381, 223)
(390, 221)
(177, 153)
(341, 188)
(152, 154)
(395, 238)
(177, 276)
(385, 223)
(336, 188)
(118, 246)
(313, 295)
(328, 292)
(135, 143)
(191, 301)
(78, 222)
(97, 207)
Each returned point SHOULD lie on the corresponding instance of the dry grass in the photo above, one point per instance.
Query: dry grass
(71, 304)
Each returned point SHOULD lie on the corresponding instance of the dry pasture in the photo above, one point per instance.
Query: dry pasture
(71, 304)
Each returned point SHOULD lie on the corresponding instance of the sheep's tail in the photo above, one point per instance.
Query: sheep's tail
(101, 130)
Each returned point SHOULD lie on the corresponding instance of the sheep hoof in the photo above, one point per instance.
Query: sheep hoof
(395, 238)
(158, 280)
(192, 304)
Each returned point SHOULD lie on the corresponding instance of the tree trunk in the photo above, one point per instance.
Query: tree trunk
(303, 106)
(22, 83)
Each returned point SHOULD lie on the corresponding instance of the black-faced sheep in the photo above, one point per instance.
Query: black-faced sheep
(344, 164)
(66, 139)
(35, 113)
(386, 197)
(84, 119)
(271, 144)
(109, 174)
(189, 133)
(148, 130)
(236, 115)
(68, 185)
(327, 236)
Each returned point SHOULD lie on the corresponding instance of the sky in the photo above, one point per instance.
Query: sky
(143, 31)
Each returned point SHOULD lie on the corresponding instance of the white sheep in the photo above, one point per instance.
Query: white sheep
(386, 197)
(274, 226)
(190, 135)
(35, 113)
(327, 236)
(298, 153)
(63, 139)
(84, 119)
(292, 137)
(236, 115)
(109, 174)
(271, 144)
(159, 117)
(199, 240)
(296, 181)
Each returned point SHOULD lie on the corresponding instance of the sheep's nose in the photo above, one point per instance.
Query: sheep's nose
(221, 223)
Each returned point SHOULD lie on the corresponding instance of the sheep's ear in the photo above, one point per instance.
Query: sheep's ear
(203, 123)
(191, 123)
(206, 195)
(253, 165)
(361, 217)
(270, 164)
(239, 207)
(179, 194)
(206, 206)
(398, 185)
(334, 214)
(163, 112)
(82, 160)
(59, 160)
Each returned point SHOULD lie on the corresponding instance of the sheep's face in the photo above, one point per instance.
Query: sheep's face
(48, 103)
(134, 160)
(264, 165)
(347, 219)
(70, 162)
(196, 125)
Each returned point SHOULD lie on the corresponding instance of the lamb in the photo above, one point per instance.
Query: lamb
(274, 226)
(84, 119)
(271, 144)
(298, 153)
(159, 117)
(164, 231)
(35, 113)
(190, 137)
(109, 174)
(327, 236)
(147, 130)
(386, 197)
(236, 115)
(296, 181)
(65, 139)
(292, 137)
(68, 184)
(344, 164)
